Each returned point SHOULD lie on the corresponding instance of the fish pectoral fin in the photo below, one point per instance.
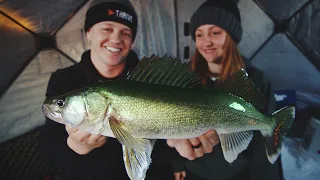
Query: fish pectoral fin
(120, 131)
(234, 143)
(137, 161)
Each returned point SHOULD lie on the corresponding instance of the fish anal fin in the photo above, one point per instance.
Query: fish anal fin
(234, 143)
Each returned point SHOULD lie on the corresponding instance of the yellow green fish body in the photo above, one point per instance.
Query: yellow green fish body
(162, 112)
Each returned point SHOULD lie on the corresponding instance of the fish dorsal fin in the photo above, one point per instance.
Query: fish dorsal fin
(234, 143)
(164, 71)
(241, 86)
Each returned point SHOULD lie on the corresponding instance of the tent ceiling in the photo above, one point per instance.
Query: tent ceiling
(280, 11)
(304, 30)
(45, 16)
(35, 21)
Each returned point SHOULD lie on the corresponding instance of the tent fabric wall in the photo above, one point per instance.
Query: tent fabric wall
(281, 11)
(156, 28)
(304, 29)
(70, 38)
(160, 31)
(287, 68)
(17, 45)
(21, 110)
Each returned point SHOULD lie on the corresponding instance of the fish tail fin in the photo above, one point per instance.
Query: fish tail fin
(283, 119)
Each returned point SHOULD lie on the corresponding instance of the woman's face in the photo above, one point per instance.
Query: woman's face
(210, 40)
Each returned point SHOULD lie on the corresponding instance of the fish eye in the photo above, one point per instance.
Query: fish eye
(60, 103)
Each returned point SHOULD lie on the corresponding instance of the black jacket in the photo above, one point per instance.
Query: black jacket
(105, 162)
(251, 164)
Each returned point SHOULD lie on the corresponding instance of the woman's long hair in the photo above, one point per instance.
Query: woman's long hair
(231, 62)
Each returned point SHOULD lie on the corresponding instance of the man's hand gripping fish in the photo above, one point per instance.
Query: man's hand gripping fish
(159, 100)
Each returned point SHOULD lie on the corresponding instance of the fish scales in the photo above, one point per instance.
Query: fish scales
(160, 112)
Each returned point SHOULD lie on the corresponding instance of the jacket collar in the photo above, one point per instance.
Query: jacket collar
(91, 73)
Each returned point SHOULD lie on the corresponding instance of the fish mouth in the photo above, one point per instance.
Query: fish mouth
(55, 116)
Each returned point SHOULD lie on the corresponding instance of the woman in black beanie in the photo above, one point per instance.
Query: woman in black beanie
(216, 29)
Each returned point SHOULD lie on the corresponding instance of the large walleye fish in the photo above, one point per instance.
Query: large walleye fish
(158, 100)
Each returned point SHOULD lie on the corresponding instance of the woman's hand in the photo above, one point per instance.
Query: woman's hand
(83, 142)
(195, 147)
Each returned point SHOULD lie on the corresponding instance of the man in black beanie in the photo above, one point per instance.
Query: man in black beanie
(110, 28)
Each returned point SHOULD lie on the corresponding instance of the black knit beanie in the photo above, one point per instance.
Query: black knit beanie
(120, 11)
(223, 13)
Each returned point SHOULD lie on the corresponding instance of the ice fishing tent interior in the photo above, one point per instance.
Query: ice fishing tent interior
(37, 37)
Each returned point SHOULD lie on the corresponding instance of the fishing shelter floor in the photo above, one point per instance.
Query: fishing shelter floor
(19, 159)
